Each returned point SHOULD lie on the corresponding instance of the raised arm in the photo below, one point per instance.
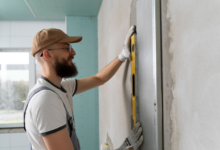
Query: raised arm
(100, 78)
(105, 74)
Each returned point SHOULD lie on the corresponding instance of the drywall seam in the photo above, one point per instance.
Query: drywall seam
(30, 8)
(174, 133)
(168, 83)
(172, 111)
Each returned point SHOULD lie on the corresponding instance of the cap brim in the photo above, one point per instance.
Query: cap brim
(71, 39)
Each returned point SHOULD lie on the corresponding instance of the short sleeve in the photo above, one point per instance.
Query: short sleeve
(70, 85)
(48, 112)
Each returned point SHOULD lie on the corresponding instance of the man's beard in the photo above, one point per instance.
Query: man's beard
(64, 69)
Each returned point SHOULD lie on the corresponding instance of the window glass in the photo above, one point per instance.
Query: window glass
(14, 85)
(38, 70)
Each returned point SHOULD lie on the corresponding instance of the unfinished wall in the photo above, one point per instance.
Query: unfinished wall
(115, 95)
(191, 58)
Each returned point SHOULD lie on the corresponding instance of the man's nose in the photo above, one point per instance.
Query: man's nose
(73, 52)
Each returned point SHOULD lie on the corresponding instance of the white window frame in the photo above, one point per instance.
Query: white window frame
(32, 74)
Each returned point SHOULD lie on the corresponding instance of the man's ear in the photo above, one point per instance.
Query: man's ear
(47, 55)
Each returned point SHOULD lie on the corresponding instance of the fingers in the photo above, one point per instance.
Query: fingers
(130, 32)
(139, 142)
(138, 134)
(135, 129)
(132, 28)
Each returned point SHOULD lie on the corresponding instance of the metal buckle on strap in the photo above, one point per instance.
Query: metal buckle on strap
(70, 123)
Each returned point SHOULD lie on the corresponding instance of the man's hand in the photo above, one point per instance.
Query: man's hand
(135, 138)
(125, 54)
(105, 74)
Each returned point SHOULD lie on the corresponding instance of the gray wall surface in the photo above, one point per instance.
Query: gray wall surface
(191, 59)
(115, 95)
(149, 75)
(114, 20)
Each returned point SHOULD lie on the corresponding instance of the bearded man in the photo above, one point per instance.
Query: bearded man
(48, 110)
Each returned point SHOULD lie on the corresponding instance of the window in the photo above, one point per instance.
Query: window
(17, 76)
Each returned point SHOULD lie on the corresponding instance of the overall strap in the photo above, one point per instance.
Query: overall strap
(32, 94)
(29, 98)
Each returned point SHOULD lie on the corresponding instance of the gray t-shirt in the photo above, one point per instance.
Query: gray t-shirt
(45, 112)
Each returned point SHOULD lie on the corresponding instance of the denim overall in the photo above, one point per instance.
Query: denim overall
(72, 132)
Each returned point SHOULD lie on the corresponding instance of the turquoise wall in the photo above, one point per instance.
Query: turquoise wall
(86, 107)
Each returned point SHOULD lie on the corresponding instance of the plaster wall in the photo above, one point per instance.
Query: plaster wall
(191, 74)
(115, 95)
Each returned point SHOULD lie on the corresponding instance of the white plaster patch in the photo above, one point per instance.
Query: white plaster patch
(195, 71)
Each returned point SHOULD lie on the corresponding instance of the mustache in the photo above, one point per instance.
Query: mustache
(70, 57)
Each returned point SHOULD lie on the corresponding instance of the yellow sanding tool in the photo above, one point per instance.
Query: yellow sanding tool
(134, 81)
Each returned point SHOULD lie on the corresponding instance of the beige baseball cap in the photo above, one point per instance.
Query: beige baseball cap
(46, 37)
